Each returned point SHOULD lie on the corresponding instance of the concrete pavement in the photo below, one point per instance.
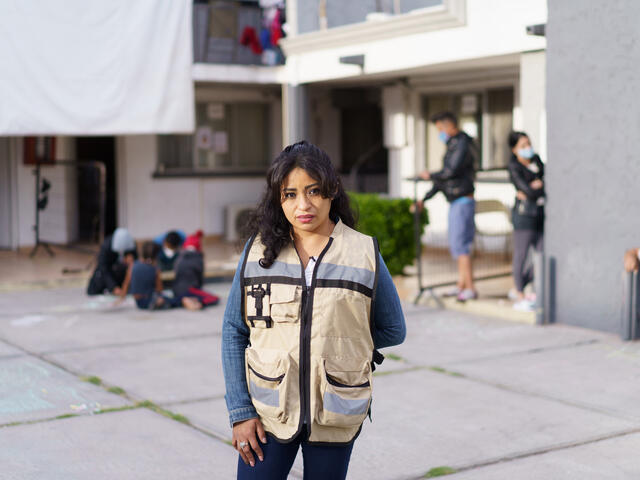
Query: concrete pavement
(89, 390)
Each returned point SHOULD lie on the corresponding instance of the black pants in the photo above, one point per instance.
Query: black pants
(522, 240)
(98, 285)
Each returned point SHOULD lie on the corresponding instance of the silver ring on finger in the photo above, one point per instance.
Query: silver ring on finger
(243, 444)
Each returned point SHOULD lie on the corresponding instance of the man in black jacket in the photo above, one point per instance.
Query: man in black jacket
(455, 180)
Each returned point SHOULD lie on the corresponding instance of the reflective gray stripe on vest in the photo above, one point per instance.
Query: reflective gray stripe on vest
(331, 271)
(267, 396)
(279, 269)
(336, 404)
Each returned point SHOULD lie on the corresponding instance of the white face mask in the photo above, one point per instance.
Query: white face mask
(168, 252)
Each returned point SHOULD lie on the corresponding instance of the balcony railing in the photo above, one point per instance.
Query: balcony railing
(237, 32)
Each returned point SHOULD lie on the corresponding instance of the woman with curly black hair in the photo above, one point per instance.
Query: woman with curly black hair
(310, 304)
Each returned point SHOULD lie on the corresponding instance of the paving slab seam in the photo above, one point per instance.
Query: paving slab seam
(530, 351)
(70, 415)
(136, 343)
(519, 391)
(541, 451)
(137, 402)
(562, 401)
(11, 356)
(192, 400)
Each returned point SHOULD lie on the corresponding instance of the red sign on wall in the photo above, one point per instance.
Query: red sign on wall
(40, 150)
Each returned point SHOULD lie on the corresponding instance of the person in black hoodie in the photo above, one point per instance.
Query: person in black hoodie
(117, 252)
(526, 172)
(189, 270)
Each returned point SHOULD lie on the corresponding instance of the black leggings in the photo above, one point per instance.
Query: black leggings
(522, 240)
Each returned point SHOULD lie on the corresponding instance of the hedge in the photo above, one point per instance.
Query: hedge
(389, 220)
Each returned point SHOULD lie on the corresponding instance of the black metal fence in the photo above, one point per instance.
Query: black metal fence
(491, 253)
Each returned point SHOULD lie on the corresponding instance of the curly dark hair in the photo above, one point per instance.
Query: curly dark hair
(269, 220)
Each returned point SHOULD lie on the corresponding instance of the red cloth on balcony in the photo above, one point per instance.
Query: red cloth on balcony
(276, 29)
(249, 38)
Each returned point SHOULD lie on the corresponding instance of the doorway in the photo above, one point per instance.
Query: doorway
(100, 149)
(364, 157)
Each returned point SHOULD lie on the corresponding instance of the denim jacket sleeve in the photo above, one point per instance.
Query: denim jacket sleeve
(388, 320)
(235, 339)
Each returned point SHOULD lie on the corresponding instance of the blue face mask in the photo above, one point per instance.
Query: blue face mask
(526, 152)
(444, 138)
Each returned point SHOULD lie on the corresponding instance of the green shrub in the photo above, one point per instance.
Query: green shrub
(389, 220)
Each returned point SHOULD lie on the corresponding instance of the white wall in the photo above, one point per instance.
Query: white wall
(325, 124)
(148, 206)
(58, 221)
(533, 99)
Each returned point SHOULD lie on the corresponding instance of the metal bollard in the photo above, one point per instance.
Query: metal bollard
(539, 285)
(629, 326)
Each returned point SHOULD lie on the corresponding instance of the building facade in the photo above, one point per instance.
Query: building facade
(593, 119)
(361, 79)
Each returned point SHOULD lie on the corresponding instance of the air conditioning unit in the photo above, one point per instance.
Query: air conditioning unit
(236, 217)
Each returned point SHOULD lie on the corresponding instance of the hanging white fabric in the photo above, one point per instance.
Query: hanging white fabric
(80, 67)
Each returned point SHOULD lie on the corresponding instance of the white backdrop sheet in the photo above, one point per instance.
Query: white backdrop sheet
(95, 67)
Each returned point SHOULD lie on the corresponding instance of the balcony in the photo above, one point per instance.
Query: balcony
(229, 32)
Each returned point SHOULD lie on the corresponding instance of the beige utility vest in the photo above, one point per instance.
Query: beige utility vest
(310, 351)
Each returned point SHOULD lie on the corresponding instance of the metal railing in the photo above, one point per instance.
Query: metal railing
(491, 253)
(218, 27)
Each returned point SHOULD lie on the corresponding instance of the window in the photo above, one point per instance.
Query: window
(486, 116)
(337, 13)
(229, 138)
(500, 120)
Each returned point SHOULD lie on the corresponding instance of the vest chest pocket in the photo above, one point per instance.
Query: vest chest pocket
(266, 379)
(285, 302)
(346, 393)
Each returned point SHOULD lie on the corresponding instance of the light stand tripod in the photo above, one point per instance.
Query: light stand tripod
(41, 204)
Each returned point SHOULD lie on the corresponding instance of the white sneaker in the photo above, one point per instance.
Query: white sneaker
(513, 295)
(452, 292)
(524, 306)
(467, 294)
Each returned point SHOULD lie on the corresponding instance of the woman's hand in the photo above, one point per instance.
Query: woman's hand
(248, 431)
(521, 196)
(537, 184)
(419, 205)
(631, 262)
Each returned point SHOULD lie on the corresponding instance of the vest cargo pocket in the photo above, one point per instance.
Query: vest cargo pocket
(284, 302)
(266, 380)
(346, 394)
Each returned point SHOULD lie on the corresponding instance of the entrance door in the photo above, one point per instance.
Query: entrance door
(364, 157)
(100, 149)
(6, 191)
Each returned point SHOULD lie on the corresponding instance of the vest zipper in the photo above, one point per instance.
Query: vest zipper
(305, 340)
